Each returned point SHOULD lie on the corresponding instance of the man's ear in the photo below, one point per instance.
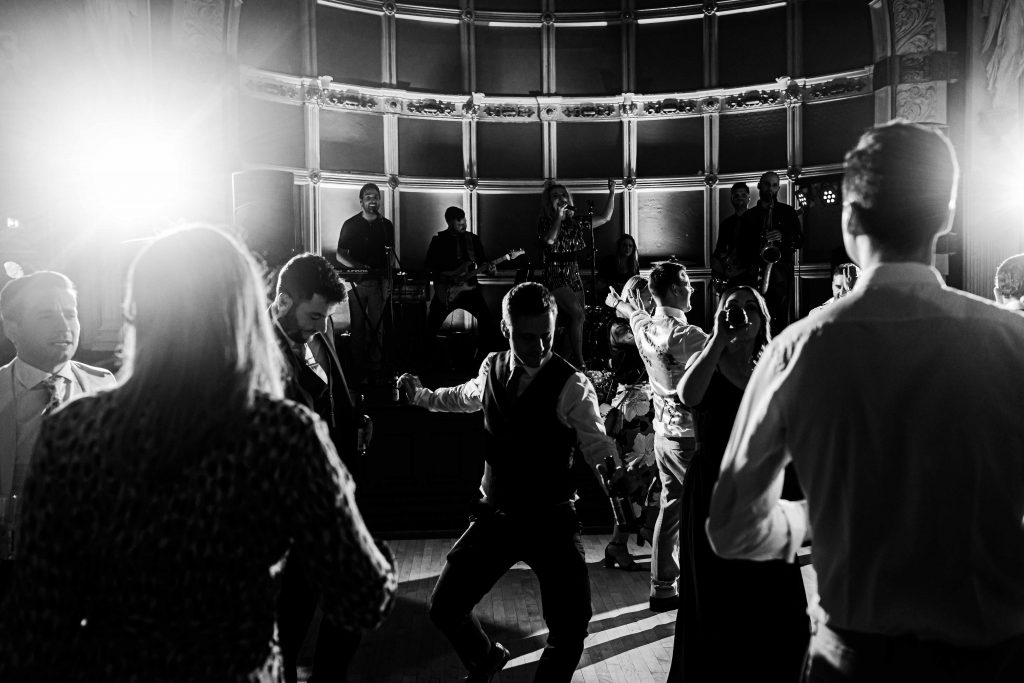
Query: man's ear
(507, 333)
(283, 303)
(10, 330)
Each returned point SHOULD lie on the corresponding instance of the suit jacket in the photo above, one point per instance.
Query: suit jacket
(331, 401)
(89, 378)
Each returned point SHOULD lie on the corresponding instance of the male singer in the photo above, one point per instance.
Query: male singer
(536, 408)
(366, 242)
(769, 221)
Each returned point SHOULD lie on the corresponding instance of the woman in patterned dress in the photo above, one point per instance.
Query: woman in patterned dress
(158, 515)
(561, 234)
(629, 420)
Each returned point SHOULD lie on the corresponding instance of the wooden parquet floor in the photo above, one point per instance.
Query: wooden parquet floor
(627, 642)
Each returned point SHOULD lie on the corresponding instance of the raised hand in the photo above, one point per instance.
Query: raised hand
(409, 384)
(612, 299)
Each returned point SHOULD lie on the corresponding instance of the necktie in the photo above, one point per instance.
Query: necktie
(55, 388)
(512, 386)
(312, 363)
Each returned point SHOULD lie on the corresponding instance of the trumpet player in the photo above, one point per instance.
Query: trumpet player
(768, 235)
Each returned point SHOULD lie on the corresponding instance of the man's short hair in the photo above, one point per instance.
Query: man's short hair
(1010, 277)
(739, 186)
(12, 297)
(366, 188)
(452, 214)
(900, 183)
(663, 276)
(766, 175)
(308, 274)
(526, 299)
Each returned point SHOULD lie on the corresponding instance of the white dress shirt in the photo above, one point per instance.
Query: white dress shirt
(901, 408)
(666, 341)
(577, 407)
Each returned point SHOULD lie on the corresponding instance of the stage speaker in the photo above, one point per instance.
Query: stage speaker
(266, 209)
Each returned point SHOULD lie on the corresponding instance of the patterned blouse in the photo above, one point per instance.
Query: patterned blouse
(128, 572)
(560, 266)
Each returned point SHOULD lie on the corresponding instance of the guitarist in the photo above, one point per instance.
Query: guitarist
(454, 258)
(725, 262)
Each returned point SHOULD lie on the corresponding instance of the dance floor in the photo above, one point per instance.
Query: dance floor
(627, 642)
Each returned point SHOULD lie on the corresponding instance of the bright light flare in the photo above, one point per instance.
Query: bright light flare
(123, 167)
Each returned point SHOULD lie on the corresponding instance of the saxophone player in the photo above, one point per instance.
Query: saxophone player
(768, 235)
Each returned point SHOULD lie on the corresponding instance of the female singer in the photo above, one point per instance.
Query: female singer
(738, 620)
(561, 234)
(159, 514)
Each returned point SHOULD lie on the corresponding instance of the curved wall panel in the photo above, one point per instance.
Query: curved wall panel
(494, 96)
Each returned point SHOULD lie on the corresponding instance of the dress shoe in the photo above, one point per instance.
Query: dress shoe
(616, 556)
(664, 604)
(496, 660)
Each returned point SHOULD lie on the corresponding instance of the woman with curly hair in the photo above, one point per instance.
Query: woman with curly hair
(765, 600)
(561, 232)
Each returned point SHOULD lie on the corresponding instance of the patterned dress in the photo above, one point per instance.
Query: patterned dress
(561, 268)
(137, 570)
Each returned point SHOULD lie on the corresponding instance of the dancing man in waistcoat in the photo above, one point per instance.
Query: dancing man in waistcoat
(537, 408)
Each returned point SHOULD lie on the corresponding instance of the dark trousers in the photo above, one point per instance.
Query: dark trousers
(335, 646)
(494, 541)
(471, 301)
(839, 656)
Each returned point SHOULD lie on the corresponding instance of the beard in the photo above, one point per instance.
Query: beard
(291, 328)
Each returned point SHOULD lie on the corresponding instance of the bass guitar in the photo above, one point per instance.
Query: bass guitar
(458, 282)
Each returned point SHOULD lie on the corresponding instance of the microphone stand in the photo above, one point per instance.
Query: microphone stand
(593, 251)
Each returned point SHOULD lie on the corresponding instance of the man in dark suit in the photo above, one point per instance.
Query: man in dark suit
(308, 288)
(769, 226)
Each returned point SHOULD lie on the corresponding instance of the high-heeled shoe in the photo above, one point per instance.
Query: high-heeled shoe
(616, 556)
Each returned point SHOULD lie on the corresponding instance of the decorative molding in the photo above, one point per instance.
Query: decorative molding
(348, 99)
(389, 8)
(315, 177)
(710, 179)
(432, 107)
(710, 7)
(506, 110)
(919, 103)
(711, 105)
(588, 110)
(839, 87)
(471, 184)
(915, 26)
(753, 99)
(201, 27)
(672, 105)
(548, 112)
(275, 89)
(793, 173)
(392, 181)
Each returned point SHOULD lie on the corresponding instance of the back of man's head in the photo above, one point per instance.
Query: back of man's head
(527, 299)
(16, 291)
(452, 214)
(308, 274)
(900, 184)
(1010, 280)
(663, 276)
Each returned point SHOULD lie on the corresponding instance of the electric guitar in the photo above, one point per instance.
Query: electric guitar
(458, 282)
